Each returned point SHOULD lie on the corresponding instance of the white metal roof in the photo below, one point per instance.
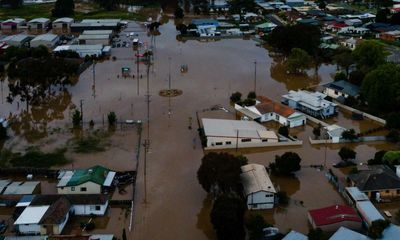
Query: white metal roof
(45, 37)
(335, 130)
(39, 20)
(313, 100)
(97, 32)
(65, 178)
(3, 184)
(293, 235)
(64, 20)
(31, 215)
(232, 128)
(101, 21)
(109, 179)
(368, 211)
(346, 234)
(356, 194)
(255, 179)
(93, 36)
(20, 188)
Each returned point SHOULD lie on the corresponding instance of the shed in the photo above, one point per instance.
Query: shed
(368, 212)
(38, 23)
(49, 40)
(63, 23)
(18, 40)
(94, 39)
(13, 23)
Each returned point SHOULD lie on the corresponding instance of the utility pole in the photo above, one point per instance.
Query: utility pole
(147, 141)
(255, 76)
(146, 149)
(137, 69)
(81, 104)
(94, 79)
(169, 88)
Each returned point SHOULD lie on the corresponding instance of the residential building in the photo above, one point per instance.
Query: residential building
(222, 134)
(391, 36)
(63, 23)
(333, 132)
(13, 23)
(205, 22)
(346, 234)
(267, 110)
(38, 23)
(368, 212)
(49, 40)
(377, 182)
(257, 187)
(312, 103)
(340, 90)
(354, 195)
(44, 219)
(295, 3)
(94, 180)
(265, 27)
(351, 43)
(331, 218)
(293, 235)
(19, 40)
(83, 50)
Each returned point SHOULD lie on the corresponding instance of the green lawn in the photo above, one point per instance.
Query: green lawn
(44, 10)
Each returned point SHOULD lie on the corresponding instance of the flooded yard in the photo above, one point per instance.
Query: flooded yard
(173, 205)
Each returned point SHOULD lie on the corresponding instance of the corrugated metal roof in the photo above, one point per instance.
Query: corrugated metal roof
(64, 20)
(255, 179)
(31, 215)
(93, 36)
(20, 188)
(347, 234)
(97, 32)
(231, 128)
(368, 211)
(356, 194)
(45, 37)
(39, 20)
(293, 235)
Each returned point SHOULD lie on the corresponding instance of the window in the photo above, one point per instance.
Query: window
(218, 143)
(270, 114)
(246, 140)
(83, 189)
(72, 188)
(277, 117)
(98, 208)
(95, 208)
(265, 140)
(398, 191)
(336, 92)
(387, 191)
(228, 143)
(269, 195)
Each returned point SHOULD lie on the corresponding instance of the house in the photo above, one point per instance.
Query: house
(267, 110)
(81, 204)
(44, 219)
(38, 23)
(354, 195)
(94, 180)
(265, 27)
(341, 90)
(391, 36)
(13, 23)
(18, 40)
(63, 23)
(295, 3)
(345, 233)
(377, 182)
(351, 43)
(368, 212)
(331, 218)
(334, 132)
(222, 134)
(312, 103)
(49, 40)
(205, 22)
(22, 188)
(94, 39)
(83, 50)
(257, 187)
(293, 235)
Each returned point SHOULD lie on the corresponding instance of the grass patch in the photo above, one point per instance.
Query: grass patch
(34, 157)
(44, 10)
(95, 142)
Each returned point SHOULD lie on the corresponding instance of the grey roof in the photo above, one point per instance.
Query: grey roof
(345, 87)
(93, 36)
(3, 184)
(368, 211)
(347, 234)
(16, 38)
(21, 188)
(64, 20)
(293, 235)
(39, 20)
(356, 194)
(97, 32)
(255, 179)
(377, 177)
(45, 37)
(74, 199)
(110, 20)
(79, 47)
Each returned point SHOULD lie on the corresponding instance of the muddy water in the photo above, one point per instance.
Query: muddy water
(175, 206)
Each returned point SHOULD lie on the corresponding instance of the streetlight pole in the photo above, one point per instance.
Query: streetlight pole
(94, 79)
(255, 76)
(81, 105)
(169, 87)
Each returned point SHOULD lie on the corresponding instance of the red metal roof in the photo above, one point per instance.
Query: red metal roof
(334, 214)
(339, 25)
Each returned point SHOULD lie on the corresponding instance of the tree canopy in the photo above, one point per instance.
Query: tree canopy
(377, 227)
(227, 217)
(344, 59)
(255, 225)
(237, 6)
(286, 164)
(298, 61)
(63, 8)
(380, 88)
(368, 55)
(305, 37)
(220, 172)
(346, 153)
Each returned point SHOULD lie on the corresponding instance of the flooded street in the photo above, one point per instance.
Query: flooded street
(174, 206)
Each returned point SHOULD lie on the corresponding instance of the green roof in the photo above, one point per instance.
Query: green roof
(96, 174)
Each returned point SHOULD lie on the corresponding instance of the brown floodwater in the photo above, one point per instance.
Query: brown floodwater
(175, 206)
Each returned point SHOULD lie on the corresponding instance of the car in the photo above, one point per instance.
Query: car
(131, 34)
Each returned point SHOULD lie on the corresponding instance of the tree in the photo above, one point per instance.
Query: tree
(76, 119)
(356, 77)
(383, 81)
(179, 13)
(283, 198)
(227, 217)
(220, 172)
(181, 28)
(124, 235)
(340, 76)
(238, 6)
(344, 59)
(368, 55)
(378, 158)
(236, 97)
(112, 118)
(393, 135)
(382, 15)
(321, 4)
(286, 164)
(377, 227)
(63, 8)
(298, 61)
(303, 36)
(393, 120)
(317, 131)
(251, 95)
(284, 131)
(346, 153)
(349, 135)
(255, 225)
(391, 158)
(108, 5)
(317, 234)
(3, 132)
(249, 102)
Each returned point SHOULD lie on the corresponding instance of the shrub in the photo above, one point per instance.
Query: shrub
(112, 119)
(236, 97)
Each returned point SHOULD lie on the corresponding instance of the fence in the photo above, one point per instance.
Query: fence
(364, 114)
(25, 171)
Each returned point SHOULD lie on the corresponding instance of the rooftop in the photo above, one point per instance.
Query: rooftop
(78, 47)
(345, 233)
(293, 235)
(335, 130)
(356, 194)
(96, 174)
(31, 215)
(57, 211)
(233, 128)
(93, 36)
(345, 87)
(74, 199)
(15, 38)
(97, 32)
(255, 179)
(334, 214)
(368, 211)
(45, 37)
(376, 177)
(21, 188)
(312, 100)
(267, 106)
(39, 20)
(64, 20)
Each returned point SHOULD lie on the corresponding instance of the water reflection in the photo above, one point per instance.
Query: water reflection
(203, 218)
